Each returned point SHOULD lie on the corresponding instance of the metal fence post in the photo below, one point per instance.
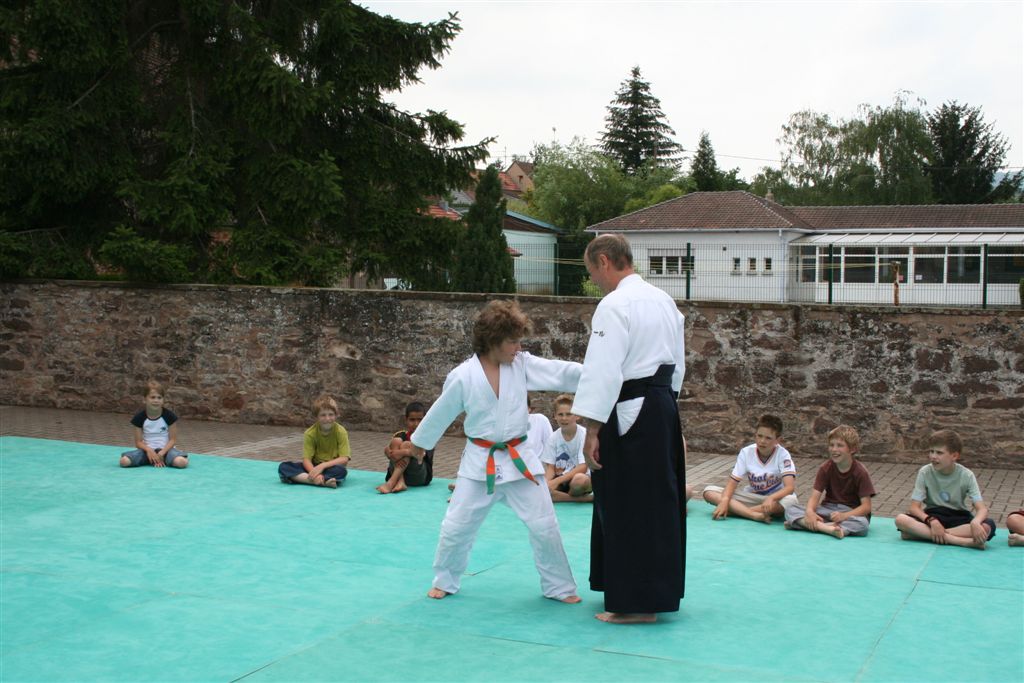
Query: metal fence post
(558, 285)
(831, 272)
(689, 270)
(984, 276)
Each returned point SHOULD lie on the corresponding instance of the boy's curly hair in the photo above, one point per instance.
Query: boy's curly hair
(498, 321)
(322, 402)
(847, 434)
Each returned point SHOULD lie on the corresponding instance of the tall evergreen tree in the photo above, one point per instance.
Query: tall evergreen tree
(966, 155)
(482, 262)
(704, 169)
(636, 134)
(225, 140)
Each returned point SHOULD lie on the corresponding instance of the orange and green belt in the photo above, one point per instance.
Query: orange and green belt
(512, 452)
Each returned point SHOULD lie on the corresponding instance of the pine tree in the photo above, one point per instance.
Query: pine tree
(966, 155)
(704, 169)
(222, 140)
(636, 133)
(482, 262)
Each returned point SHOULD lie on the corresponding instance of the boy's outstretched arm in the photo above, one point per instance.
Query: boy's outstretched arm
(721, 510)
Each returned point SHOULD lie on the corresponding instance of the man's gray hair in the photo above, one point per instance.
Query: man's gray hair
(614, 247)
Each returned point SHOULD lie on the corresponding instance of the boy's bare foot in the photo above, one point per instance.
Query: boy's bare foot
(437, 594)
(978, 545)
(833, 530)
(760, 517)
(626, 617)
(451, 486)
(400, 486)
(384, 488)
(905, 536)
(1016, 540)
(331, 483)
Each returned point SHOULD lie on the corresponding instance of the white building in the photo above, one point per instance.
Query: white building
(735, 246)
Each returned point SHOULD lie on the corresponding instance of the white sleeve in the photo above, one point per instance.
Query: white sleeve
(543, 374)
(446, 408)
(739, 470)
(679, 353)
(548, 454)
(602, 368)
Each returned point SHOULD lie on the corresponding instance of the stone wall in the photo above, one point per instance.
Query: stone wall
(259, 355)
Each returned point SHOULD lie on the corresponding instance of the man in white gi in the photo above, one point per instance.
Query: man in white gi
(632, 374)
(491, 388)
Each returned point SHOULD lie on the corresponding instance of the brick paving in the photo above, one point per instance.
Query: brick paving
(1003, 488)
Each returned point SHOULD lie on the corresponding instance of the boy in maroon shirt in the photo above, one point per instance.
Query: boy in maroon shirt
(841, 502)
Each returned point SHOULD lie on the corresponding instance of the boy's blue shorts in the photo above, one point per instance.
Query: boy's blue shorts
(139, 458)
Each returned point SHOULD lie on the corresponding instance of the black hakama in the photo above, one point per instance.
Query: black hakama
(638, 536)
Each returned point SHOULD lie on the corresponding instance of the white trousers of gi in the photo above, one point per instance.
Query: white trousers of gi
(469, 507)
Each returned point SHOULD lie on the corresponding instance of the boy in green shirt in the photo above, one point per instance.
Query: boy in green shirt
(325, 450)
(939, 508)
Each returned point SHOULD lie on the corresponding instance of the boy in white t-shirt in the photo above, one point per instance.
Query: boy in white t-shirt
(771, 474)
(565, 469)
(156, 433)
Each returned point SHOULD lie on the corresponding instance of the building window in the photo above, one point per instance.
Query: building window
(807, 256)
(1005, 264)
(859, 264)
(752, 264)
(929, 265)
(735, 266)
(670, 264)
(892, 260)
(964, 265)
(767, 265)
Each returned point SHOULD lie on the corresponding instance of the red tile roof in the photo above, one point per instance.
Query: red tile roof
(920, 217)
(435, 211)
(734, 210)
(740, 210)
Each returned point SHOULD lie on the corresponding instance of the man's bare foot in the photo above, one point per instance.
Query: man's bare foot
(1015, 540)
(400, 486)
(384, 488)
(451, 486)
(331, 483)
(569, 600)
(626, 617)
(437, 594)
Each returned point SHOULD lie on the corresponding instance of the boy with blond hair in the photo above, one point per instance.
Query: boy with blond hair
(944, 494)
(156, 433)
(841, 502)
(565, 468)
(771, 474)
(325, 450)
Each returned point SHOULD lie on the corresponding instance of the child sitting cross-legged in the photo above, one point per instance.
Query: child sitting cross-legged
(841, 502)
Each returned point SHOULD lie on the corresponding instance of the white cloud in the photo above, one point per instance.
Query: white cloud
(735, 69)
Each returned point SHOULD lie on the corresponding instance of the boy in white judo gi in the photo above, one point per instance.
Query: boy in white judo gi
(491, 388)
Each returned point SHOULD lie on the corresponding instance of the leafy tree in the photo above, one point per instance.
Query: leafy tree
(966, 154)
(704, 169)
(895, 139)
(237, 140)
(575, 186)
(482, 262)
(636, 134)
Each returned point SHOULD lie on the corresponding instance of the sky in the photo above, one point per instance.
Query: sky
(529, 73)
